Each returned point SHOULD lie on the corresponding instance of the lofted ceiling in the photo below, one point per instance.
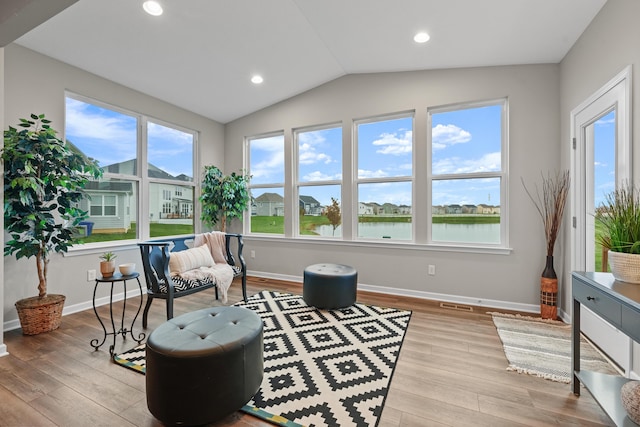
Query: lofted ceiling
(201, 54)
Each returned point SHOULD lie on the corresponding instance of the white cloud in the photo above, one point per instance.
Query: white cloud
(319, 176)
(309, 143)
(445, 135)
(269, 144)
(85, 124)
(487, 163)
(363, 173)
(394, 144)
(603, 122)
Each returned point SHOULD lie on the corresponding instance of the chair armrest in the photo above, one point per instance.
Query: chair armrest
(155, 262)
(240, 243)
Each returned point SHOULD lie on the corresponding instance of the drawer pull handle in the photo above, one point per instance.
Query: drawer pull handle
(591, 299)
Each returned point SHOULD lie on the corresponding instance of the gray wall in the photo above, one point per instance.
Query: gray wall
(609, 44)
(3, 347)
(36, 83)
(513, 279)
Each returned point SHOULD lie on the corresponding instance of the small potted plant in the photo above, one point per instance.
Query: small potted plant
(44, 180)
(107, 265)
(619, 217)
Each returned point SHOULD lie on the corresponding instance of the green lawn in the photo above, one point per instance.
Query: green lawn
(156, 230)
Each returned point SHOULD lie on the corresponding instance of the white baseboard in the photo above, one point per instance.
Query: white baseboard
(489, 303)
(69, 309)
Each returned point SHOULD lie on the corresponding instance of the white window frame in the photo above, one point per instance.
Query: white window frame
(502, 175)
(141, 178)
(356, 181)
(252, 186)
(296, 174)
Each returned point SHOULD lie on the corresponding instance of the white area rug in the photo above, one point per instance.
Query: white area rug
(543, 348)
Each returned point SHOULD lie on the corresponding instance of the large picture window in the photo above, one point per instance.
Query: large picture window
(468, 173)
(266, 167)
(385, 178)
(133, 200)
(319, 189)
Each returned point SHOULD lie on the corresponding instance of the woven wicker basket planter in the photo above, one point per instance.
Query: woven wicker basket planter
(625, 267)
(38, 315)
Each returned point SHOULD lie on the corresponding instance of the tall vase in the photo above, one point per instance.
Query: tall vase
(549, 291)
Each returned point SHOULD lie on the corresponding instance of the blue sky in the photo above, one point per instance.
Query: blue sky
(464, 141)
(111, 136)
(604, 157)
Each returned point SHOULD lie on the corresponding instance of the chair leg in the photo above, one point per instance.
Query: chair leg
(244, 287)
(169, 308)
(146, 311)
(216, 287)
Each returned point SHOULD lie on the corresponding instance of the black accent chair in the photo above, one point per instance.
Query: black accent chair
(155, 261)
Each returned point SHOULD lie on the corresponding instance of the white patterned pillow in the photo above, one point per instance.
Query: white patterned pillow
(190, 259)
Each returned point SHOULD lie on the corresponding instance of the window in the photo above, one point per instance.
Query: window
(319, 186)
(266, 167)
(384, 178)
(113, 136)
(468, 173)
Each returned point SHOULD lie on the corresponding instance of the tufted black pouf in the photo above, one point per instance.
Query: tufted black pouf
(330, 286)
(204, 365)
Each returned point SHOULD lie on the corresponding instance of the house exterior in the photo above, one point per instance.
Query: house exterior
(269, 204)
(309, 205)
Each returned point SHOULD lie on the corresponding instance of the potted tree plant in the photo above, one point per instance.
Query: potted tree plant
(550, 203)
(223, 196)
(619, 217)
(44, 179)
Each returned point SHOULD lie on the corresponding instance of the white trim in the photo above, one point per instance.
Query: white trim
(82, 306)
(481, 302)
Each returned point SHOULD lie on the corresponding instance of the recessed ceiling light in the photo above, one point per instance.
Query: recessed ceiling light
(257, 79)
(152, 8)
(421, 37)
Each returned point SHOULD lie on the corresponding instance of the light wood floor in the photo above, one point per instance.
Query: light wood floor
(451, 372)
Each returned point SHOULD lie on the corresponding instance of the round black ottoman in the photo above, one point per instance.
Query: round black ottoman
(204, 365)
(330, 286)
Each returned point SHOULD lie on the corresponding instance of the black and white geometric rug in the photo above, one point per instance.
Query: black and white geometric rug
(321, 367)
(326, 367)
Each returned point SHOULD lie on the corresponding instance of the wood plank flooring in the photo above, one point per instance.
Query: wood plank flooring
(450, 372)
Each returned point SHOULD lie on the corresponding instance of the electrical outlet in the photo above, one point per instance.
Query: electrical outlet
(432, 270)
(253, 254)
(91, 275)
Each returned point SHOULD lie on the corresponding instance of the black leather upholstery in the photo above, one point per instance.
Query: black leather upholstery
(330, 286)
(204, 365)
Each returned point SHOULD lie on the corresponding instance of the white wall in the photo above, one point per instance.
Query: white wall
(609, 44)
(35, 84)
(512, 279)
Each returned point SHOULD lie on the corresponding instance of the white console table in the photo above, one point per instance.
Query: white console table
(618, 303)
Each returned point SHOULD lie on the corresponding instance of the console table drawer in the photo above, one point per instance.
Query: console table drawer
(598, 302)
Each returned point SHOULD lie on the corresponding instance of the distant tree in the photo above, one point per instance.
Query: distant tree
(333, 214)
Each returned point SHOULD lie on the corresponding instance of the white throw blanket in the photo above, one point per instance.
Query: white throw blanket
(221, 271)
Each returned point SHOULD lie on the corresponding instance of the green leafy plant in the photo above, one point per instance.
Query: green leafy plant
(44, 179)
(619, 216)
(108, 256)
(223, 196)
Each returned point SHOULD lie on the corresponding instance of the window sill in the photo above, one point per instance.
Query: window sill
(494, 250)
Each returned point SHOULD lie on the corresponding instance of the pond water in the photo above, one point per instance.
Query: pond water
(468, 233)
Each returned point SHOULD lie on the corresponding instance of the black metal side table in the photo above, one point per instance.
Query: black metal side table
(117, 277)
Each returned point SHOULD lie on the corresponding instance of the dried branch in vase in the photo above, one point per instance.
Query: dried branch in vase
(550, 203)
